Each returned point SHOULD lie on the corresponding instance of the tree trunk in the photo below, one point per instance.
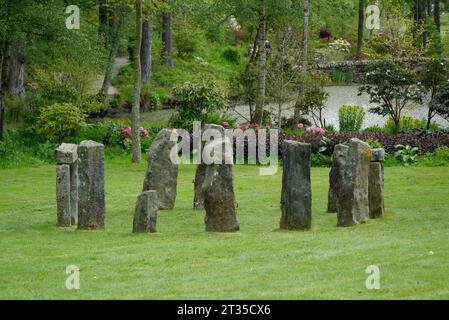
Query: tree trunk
(103, 18)
(424, 21)
(261, 64)
(361, 27)
(137, 86)
(16, 71)
(146, 58)
(167, 38)
(115, 32)
(436, 14)
(305, 58)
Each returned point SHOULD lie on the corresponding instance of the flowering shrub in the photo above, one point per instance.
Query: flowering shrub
(340, 45)
(315, 130)
(426, 143)
(125, 137)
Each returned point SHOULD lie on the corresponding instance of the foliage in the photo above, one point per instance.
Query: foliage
(339, 75)
(435, 47)
(408, 123)
(195, 102)
(374, 129)
(60, 120)
(149, 100)
(407, 155)
(393, 87)
(374, 143)
(427, 143)
(220, 119)
(351, 118)
(440, 102)
(384, 46)
(93, 104)
(315, 97)
(187, 43)
(232, 55)
(433, 75)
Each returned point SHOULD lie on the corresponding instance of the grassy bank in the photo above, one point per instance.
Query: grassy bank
(182, 261)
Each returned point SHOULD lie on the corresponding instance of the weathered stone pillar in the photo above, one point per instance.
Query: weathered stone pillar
(63, 195)
(91, 206)
(162, 173)
(66, 155)
(376, 185)
(336, 176)
(219, 199)
(74, 181)
(218, 188)
(353, 205)
(296, 199)
(200, 173)
(145, 216)
(198, 198)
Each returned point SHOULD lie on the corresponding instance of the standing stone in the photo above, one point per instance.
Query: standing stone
(336, 176)
(162, 173)
(145, 216)
(63, 195)
(198, 199)
(353, 206)
(66, 154)
(219, 199)
(376, 185)
(218, 188)
(296, 200)
(378, 155)
(74, 193)
(91, 207)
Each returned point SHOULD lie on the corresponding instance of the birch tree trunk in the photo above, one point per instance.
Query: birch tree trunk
(361, 27)
(436, 14)
(137, 153)
(167, 37)
(16, 71)
(305, 58)
(146, 58)
(114, 33)
(261, 65)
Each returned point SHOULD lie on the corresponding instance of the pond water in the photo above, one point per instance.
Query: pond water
(345, 95)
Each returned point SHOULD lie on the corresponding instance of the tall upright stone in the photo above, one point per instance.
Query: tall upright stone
(296, 199)
(91, 206)
(198, 198)
(162, 173)
(218, 189)
(336, 176)
(376, 185)
(66, 155)
(200, 173)
(63, 195)
(145, 216)
(353, 207)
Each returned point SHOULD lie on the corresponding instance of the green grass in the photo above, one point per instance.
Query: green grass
(259, 262)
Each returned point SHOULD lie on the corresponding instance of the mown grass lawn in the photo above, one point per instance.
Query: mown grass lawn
(410, 245)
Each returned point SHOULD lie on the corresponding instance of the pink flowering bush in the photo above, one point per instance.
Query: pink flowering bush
(316, 130)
